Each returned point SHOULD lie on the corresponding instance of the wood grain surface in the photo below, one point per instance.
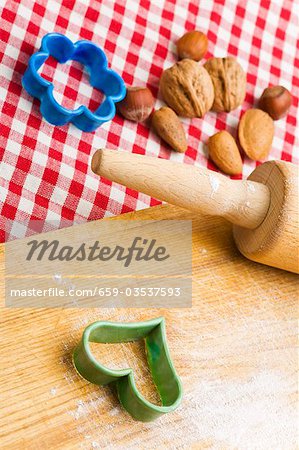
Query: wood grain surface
(235, 351)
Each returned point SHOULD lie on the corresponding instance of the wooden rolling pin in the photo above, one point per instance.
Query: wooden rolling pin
(263, 209)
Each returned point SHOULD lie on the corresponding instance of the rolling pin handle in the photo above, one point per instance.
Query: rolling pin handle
(244, 203)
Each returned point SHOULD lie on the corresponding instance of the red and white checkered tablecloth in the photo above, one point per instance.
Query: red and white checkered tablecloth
(45, 170)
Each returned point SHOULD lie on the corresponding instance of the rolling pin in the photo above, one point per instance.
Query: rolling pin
(263, 208)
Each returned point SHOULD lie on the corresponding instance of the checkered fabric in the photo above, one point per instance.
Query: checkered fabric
(45, 170)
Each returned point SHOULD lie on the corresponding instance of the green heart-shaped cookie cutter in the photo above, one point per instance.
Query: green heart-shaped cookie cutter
(163, 372)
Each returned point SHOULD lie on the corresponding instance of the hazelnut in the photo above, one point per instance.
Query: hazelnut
(229, 80)
(187, 88)
(137, 104)
(224, 152)
(256, 132)
(168, 126)
(192, 45)
(275, 101)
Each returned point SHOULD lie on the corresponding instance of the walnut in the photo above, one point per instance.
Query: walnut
(229, 80)
(187, 88)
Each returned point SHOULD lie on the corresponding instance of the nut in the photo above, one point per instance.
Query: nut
(187, 88)
(168, 126)
(192, 45)
(256, 132)
(137, 104)
(229, 80)
(275, 101)
(224, 153)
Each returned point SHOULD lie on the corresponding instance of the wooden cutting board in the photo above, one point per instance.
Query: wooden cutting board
(235, 351)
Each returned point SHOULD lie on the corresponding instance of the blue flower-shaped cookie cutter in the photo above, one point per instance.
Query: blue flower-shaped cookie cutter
(102, 78)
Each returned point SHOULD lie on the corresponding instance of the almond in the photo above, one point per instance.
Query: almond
(224, 153)
(168, 126)
(256, 132)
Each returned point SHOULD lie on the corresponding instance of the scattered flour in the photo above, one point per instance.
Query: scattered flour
(251, 413)
(215, 183)
(58, 278)
(80, 411)
(218, 414)
(85, 408)
(53, 391)
(115, 411)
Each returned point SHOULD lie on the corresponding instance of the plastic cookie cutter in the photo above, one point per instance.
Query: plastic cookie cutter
(163, 372)
(101, 77)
